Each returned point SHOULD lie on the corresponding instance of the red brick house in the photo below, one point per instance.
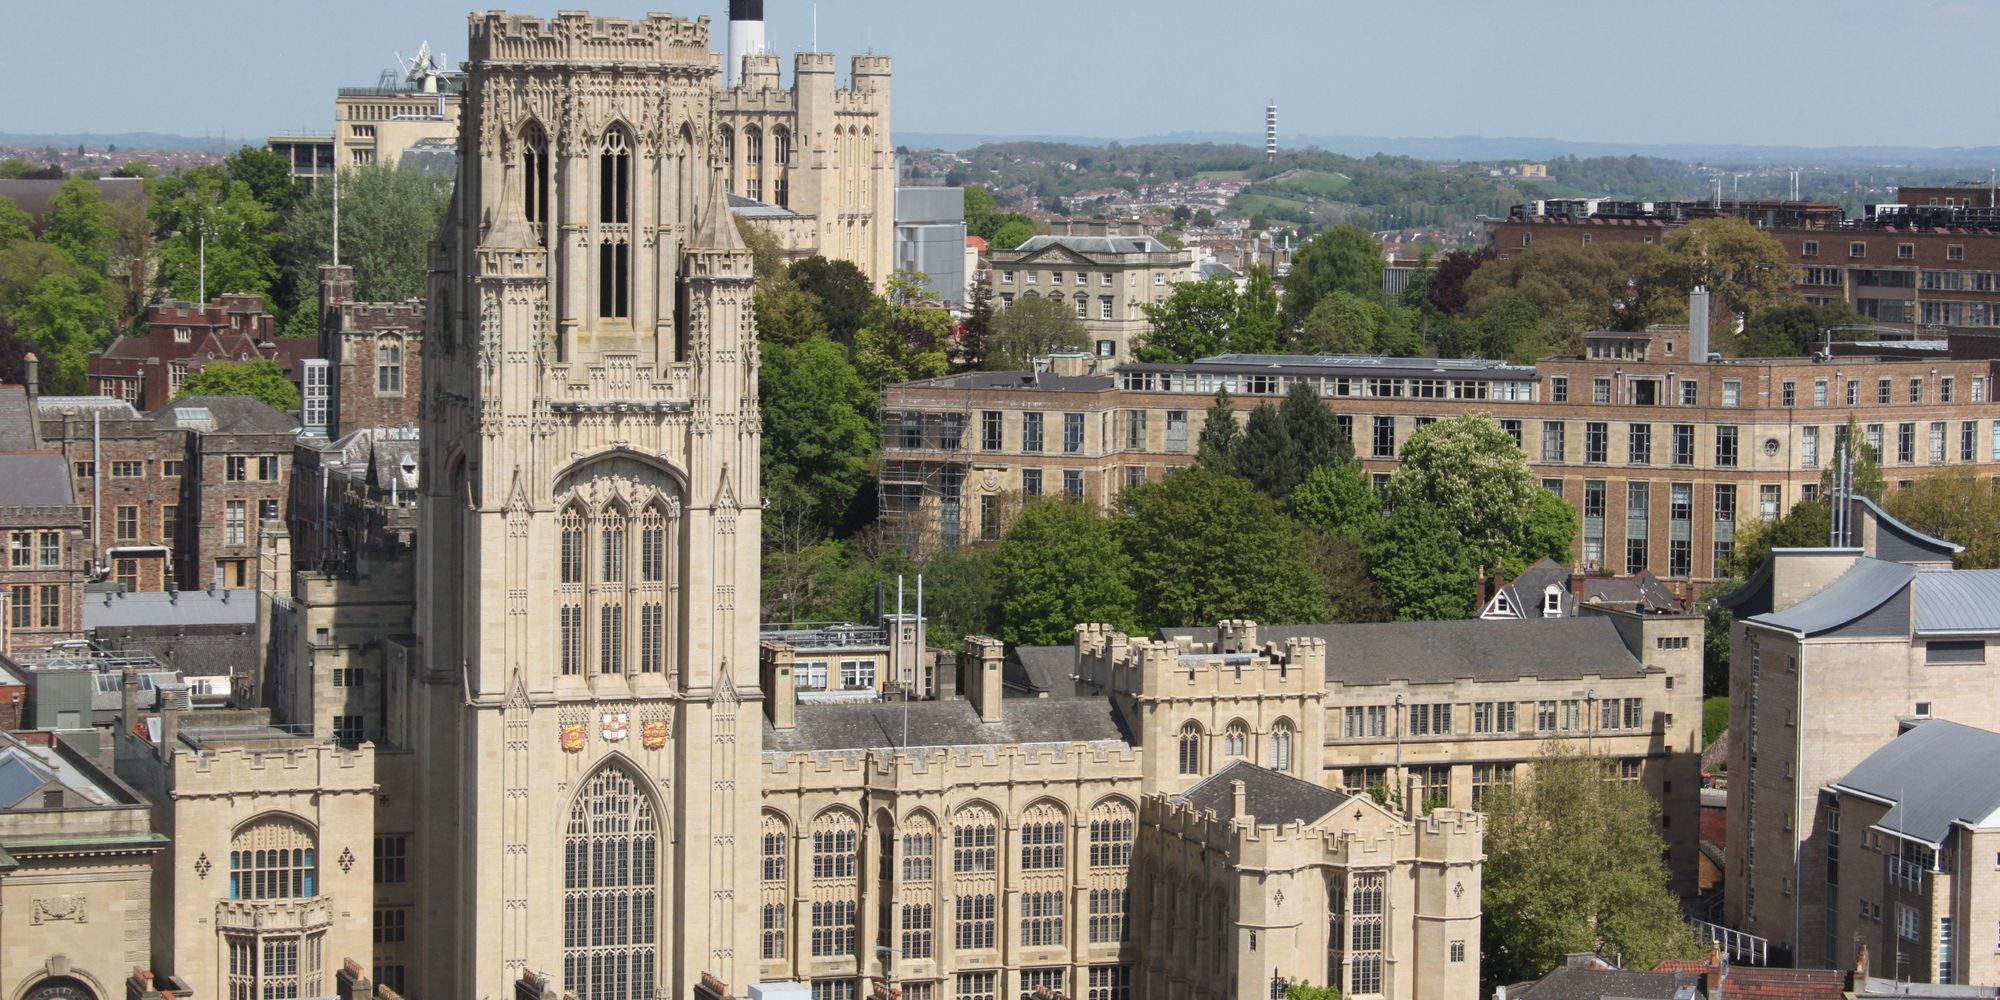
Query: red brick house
(183, 338)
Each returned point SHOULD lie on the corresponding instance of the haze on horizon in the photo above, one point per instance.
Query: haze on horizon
(1769, 72)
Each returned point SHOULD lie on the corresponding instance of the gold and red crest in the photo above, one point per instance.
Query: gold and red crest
(653, 735)
(573, 737)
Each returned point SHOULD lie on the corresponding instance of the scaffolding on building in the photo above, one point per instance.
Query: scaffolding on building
(926, 461)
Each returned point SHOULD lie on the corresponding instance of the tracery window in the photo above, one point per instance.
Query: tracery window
(974, 835)
(1042, 839)
(389, 364)
(535, 179)
(601, 599)
(610, 890)
(614, 208)
(274, 858)
(1111, 827)
(1190, 748)
(1236, 739)
(1281, 745)
(776, 852)
(835, 841)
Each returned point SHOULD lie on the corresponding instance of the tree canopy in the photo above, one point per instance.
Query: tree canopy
(1342, 259)
(260, 379)
(1058, 565)
(388, 217)
(1574, 864)
(1207, 547)
(818, 439)
(1031, 328)
(1957, 507)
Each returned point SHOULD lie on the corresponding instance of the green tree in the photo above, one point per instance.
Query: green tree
(961, 592)
(388, 216)
(1215, 450)
(137, 168)
(1864, 467)
(1314, 430)
(269, 177)
(1809, 524)
(1303, 990)
(1031, 328)
(1256, 314)
(1574, 864)
(1340, 323)
(767, 258)
(79, 224)
(1207, 546)
(1014, 232)
(847, 299)
(15, 225)
(239, 236)
(787, 315)
(1344, 258)
(1423, 567)
(1471, 471)
(64, 317)
(1745, 270)
(260, 379)
(1797, 329)
(1266, 455)
(903, 341)
(1350, 585)
(1957, 507)
(975, 330)
(1195, 321)
(818, 433)
(1337, 498)
(1059, 564)
(1547, 532)
(1509, 329)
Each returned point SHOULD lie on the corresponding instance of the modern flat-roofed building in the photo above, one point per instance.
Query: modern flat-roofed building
(1662, 455)
(930, 239)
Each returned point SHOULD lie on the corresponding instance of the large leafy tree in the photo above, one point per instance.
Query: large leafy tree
(1257, 321)
(787, 315)
(1470, 470)
(846, 297)
(1282, 443)
(388, 216)
(64, 317)
(260, 379)
(1574, 864)
(1059, 564)
(1344, 258)
(1745, 270)
(1573, 289)
(1511, 328)
(1957, 507)
(1336, 498)
(961, 592)
(15, 225)
(1809, 524)
(903, 341)
(79, 224)
(1446, 288)
(1031, 328)
(1797, 329)
(1197, 320)
(1423, 567)
(268, 175)
(1207, 546)
(818, 432)
(1340, 323)
(239, 236)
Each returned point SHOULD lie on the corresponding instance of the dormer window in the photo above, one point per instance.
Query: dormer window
(1552, 602)
(1501, 606)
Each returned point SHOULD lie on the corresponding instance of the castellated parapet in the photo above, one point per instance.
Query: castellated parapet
(578, 37)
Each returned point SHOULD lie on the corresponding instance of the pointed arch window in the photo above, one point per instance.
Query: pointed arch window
(728, 137)
(572, 546)
(1042, 839)
(777, 843)
(273, 858)
(1236, 739)
(389, 365)
(612, 533)
(1190, 748)
(652, 546)
(1281, 745)
(781, 146)
(535, 179)
(1111, 830)
(610, 890)
(614, 208)
(569, 612)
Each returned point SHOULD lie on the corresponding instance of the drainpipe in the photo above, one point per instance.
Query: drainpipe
(97, 482)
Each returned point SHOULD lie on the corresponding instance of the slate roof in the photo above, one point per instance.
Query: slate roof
(1047, 381)
(1043, 669)
(1938, 774)
(17, 419)
(153, 609)
(1435, 652)
(1866, 585)
(1960, 600)
(1641, 591)
(1601, 984)
(1269, 796)
(35, 479)
(230, 415)
(1097, 244)
(1524, 592)
(112, 409)
(878, 725)
(751, 208)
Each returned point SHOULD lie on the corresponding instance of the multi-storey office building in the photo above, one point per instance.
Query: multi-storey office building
(1927, 267)
(1108, 278)
(1833, 652)
(1661, 454)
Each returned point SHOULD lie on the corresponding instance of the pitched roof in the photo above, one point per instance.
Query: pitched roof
(226, 415)
(1097, 244)
(1043, 669)
(17, 419)
(1434, 652)
(153, 609)
(1569, 983)
(36, 479)
(878, 725)
(1938, 774)
(1525, 591)
(1268, 796)
(1867, 585)
(1960, 600)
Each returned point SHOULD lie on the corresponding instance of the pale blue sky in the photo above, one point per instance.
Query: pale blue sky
(1801, 72)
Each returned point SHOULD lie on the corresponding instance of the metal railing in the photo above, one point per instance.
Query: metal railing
(1741, 948)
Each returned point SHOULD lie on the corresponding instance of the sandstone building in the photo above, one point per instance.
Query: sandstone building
(1108, 277)
(1663, 455)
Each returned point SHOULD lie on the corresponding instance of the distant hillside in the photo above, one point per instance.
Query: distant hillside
(124, 140)
(1482, 149)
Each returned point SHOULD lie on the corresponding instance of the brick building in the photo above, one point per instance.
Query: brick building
(44, 572)
(184, 337)
(1662, 456)
(177, 495)
(374, 354)
(1932, 268)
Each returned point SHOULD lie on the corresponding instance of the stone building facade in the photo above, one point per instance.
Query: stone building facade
(374, 353)
(1662, 457)
(1833, 652)
(1108, 278)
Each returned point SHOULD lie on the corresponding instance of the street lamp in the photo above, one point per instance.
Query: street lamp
(1279, 985)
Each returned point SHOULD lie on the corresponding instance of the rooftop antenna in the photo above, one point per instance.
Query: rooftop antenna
(336, 211)
(815, 27)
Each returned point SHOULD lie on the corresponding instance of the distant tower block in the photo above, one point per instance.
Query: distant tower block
(746, 35)
(1270, 130)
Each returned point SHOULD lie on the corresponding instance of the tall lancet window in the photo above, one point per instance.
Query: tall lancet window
(781, 154)
(535, 179)
(753, 156)
(614, 215)
(610, 890)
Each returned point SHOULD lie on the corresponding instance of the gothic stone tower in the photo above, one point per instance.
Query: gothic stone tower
(584, 712)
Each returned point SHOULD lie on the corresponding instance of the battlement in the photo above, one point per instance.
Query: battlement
(578, 37)
(1235, 665)
(812, 62)
(924, 768)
